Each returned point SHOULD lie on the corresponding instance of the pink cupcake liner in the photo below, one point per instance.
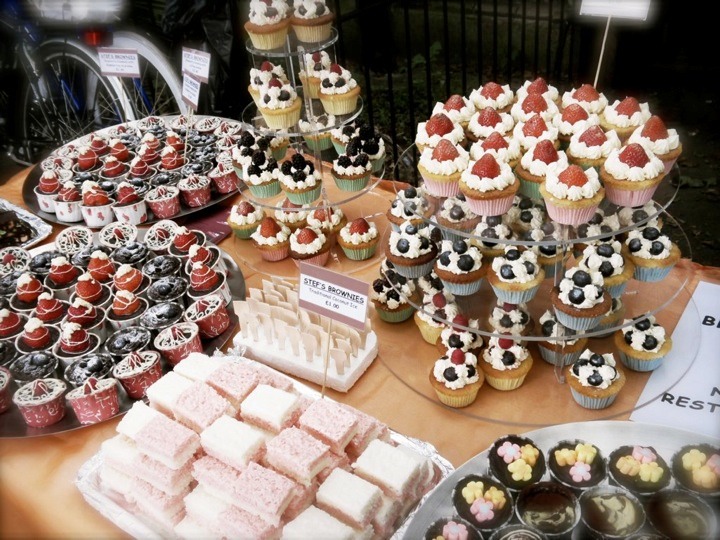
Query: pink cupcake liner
(276, 255)
(441, 189)
(320, 259)
(136, 385)
(174, 355)
(570, 216)
(214, 324)
(100, 406)
(45, 414)
(491, 207)
(669, 165)
(626, 197)
(225, 183)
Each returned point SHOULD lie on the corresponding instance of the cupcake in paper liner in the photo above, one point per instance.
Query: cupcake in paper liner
(643, 345)
(272, 239)
(437, 311)
(164, 201)
(95, 401)
(653, 254)
(210, 314)
(660, 140)
(456, 379)
(279, 105)
(441, 167)
(268, 24)
(595, 380)
(489, 186)
(317, 142)
(608, 258)
(195, 190)
(351, 171)
(571, 195)
(516, 276)
(309, 245)
(411, 250)
(299, 180)
(137, 371)
(580, 300)
(41, 402)
(568, 349)
(459, 266)
(67, 204)
(177, 341)
(338, 91)
(394, 297)
(359, 239)
(505, 363)
(631, 175)
(5, 385)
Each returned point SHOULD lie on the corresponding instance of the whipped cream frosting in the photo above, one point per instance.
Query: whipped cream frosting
(461, 115)
(351, 170)
(258, 12)
(401, 207)
(579, 149)
(551, 94)
(504, 126)
(620, 120)
(574, 193)
(404, 292)
(592, 260)
(438, 317)
(461, 371)
(622, 171)
(519, 268)
(253, 217)
(314, 68)
(321, 122)
(511, 153)
(520, 115)
(593, 292)
(259, 78)
(639, 337)
(416, 244)
(336, 216)
(307, 249)
(359, 238)
(282, 236)
(455, 136)
(592, 107)
(585, 370)
(645, 245)
(566, 128)
(273, 93)
(658, 147)
(558, 330)
(518, 317)
(503, 100)
(313, 9)
(292, 215)
(630, 216)
(311, 179)
(327, 75)
(493, 354)
(500, 182)
(526, 141)
(526, 214)
(538, 167)
(452, 265)
(450, 203)
(446, 167)
(468, 339)
(500, 231)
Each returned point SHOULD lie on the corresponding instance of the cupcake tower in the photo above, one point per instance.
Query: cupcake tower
(151, 169)
(96, 314)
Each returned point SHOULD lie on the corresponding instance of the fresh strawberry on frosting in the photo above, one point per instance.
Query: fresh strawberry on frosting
(73, 338)
(439, 124)
(269, 227)
(69, 193)
(49, 308)
(184, 239)
(88, 288)
(491, 90)
(93, 194)
(118, 150)
(127, 278)
(28, 288)
(62, 272)
(126, 194)
(35, 334)
(574, 113)
(545, 151)
(203, 278)
(495, 141)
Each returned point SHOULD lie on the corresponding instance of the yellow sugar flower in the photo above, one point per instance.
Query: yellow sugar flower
(521, 470)
(530, 454)
(628, 465)
(565, 457)
(651, 472)
(472, 491)
(705, 477)
(495, 496)
(694, 459)
(586, 453)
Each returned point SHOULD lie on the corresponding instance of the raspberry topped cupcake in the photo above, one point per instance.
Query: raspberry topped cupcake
(456, 379)
(299, 180)
(513, 319)
(642, 343)
(624, 117)
(493, 95)
(438, 126)
(505, 363)
(533, 165)
(279, 104)
(489, 186)
(440, 168)
(455, 217)
(591, 147)
(261, 76)
(580, 299)
(574, 119)
(434, 315)
(571, 195)
(458, 108)
(631, 175)
(488, 120)
(339, 91)
(662, 142)
(309, 245)
(653, 254)
(587, 97)
(312, 21)
(516, 276)
(411, 250)
(315, 63)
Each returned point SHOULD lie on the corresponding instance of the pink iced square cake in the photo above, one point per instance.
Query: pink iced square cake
(198, 406)
(332, 423)
(297, 454)
(270, 408)
(233, 442)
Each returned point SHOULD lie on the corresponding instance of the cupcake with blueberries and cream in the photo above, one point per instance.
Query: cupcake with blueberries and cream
(262, 75)
(461, 333)
(434, 315)
(279, 104)
(268, 23)
(513, 319)
(456, 379)
(489, 234)
(516, 276)
(311, 20)
(608, 259)
(653, 254)
(460, 267)
(560, 343)
(338, 91)
(595, 380)
(526, 214)
(642, 343)
(394, 297)
(411, 250)
(410, 204)
(580, 300)
(455, 218)
(315, 63)
(506, 363)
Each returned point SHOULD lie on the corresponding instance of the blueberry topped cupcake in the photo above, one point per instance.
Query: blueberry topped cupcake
(607, 258)
(516, 276)
(595, 380)
(580, 299)
(640, 469)
(429, 284)
(455, 216)
(460, 267)
(410, 204)
(461, 333)
(506, 363)
(516, 461)
(492, 230)
(511, 319)
(526, 214)
(394, 297)
(456, 379)
(566, 350)
(643, 344)
(640, 217)
(411, 250)
(653, 254)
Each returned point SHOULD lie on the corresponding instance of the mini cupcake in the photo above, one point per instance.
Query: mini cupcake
(341, 135)
(338, 91)
(411, 204)
(113, 169)
(483, 502)
(587, 97)
(309, 245)
(435, 313)
(11, 324)
(595, 380)
(440, 168)
(33, 366)
(292, 215)
(460, 268)
(489, 234)
(268, 23)
(574, 119)
(529, 105)
(95, 401)
(533, 165)
(171, 159)
(315, 63)
(27, 291)
(456, 378)
(328, 219)
(567, 349)
(93, 365)
(576, 464)
(492, 94)
(36, 336)
(502, 148)
(411, 250)
(299, 180)
(550, 507)
(41, 402)
(159, 236)
(359, 239)
(642, 343)
(541, 87)
(571, 195)
(125, 310)
(533, 130)
(512, 319)
(49, 309)
(516, 462)
(164, 201)
(223, 178)
(612, 512)
(580, 299)
(130, 279)
(505, 363)
(489, 187)
(183, 239)
(67, 204)
(210, 314)
(611, 320)
(86, 315)
(662, 142)
(516, 276)
(438, 127)
(394, 297)
(487, 121)
(624, 116)
(316, 132)
(591, 147)
(133, 253)
(696, 467)
(279, 105)
(137, 371)
(602, 227)
(96, 208)
(47, 191)
(458, 108)
(607, 258)
(312, 21)
(87, 160)
(272, 240)
(455, 218)
(526, 214)
(195, 190)
(653, 254)
(92, 291)
(352, 170)
(639, 469)
(130, 339)
(176, 342)
(62, 278)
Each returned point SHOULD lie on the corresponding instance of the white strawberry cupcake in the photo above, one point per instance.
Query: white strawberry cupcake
(489, 186)
(662, 142)
(491, 94)
(272, 240)
(440, 168)
(571, 195)
(359, 239)
(458, 108)
(503, 148)
(631, 175)
(532, 104)
(574, 119)
(587, 97)
(535, 129)
(309, 245)
(487, 121)
(438, 126)
(591, 147)
(624, 117)
(541, 87)
(533, 165)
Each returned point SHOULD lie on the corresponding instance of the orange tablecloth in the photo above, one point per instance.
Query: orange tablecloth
(38, 498)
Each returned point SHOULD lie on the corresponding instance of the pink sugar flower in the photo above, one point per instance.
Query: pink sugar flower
(714, 463)
(482, 510)
(509, 452)
(643, 455)
(580, 472)
(454, 531)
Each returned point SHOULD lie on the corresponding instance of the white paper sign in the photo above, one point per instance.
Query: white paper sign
(191, 91)
(693, 404)
(333, 295)
(118, 62)
(196, 63)
(617, 9)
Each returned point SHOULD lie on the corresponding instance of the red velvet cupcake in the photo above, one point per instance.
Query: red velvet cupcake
(195, 190)
(178, 341)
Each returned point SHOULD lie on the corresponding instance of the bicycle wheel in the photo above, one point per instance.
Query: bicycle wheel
(158, 91)
(70, 98)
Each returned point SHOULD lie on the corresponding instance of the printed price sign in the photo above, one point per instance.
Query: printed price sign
(191, 91)
(119, 62)
(333, 295)
(196, 63)
(617, 9)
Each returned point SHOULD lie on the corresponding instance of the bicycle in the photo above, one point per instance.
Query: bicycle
(57, 91)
